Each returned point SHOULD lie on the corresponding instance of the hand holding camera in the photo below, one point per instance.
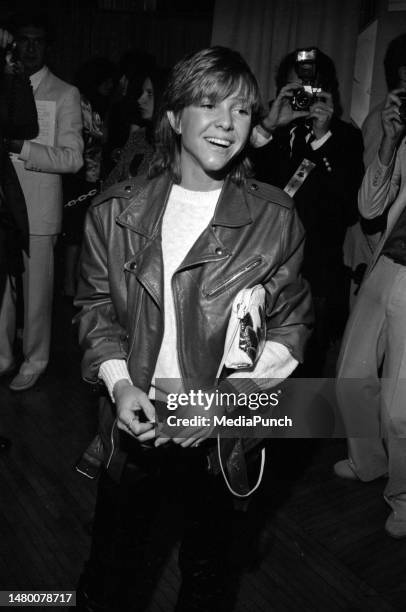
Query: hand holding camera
(282, 111)
(9, 53)
(394, 114)
(393, 124)
(321, 112)
(302, 98)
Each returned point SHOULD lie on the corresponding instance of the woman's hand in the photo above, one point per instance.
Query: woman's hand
(130, 402)
(192, 435)
(393, 126)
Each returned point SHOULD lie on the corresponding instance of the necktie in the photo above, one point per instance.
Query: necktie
(299, 143)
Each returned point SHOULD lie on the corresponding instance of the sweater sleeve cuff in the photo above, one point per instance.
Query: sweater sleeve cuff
(260, 136)
(113, 370)
(275, 364)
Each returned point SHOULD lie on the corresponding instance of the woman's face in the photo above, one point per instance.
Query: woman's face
(212, 134)
(146, 99)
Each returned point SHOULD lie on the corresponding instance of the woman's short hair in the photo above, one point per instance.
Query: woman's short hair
(214, 73)
(326, 74)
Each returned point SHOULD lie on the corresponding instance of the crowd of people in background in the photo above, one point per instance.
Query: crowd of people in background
(132, 128)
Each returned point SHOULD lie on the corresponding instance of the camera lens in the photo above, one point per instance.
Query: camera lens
(302, 100)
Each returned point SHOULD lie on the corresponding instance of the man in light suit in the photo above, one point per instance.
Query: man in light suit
(371, 386)
(39, 164)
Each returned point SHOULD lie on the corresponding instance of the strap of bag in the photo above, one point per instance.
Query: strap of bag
(229, 487)
(263, 453)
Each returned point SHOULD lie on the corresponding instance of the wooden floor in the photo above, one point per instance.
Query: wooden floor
(310, 541)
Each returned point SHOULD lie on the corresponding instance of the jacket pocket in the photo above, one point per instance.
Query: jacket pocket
(236, 277)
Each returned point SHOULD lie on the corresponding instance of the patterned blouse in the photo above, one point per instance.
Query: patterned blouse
(134, 159)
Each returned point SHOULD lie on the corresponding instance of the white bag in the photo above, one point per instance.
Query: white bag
(246, 331)
(245, 340)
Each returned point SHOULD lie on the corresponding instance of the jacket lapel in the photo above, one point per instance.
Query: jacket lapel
(144, 216)
(42, 91)
(231, 212)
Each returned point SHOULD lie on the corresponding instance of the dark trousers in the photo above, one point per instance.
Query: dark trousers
(125, 557)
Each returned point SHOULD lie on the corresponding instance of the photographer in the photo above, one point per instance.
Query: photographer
(307, 150)
(372, 356)
(18, 119)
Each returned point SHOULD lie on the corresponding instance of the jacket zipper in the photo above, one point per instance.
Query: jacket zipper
(178, 328)
(112, 443)
(136, 319)
(231, 280)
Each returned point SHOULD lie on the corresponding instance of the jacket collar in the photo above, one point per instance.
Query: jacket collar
(37, 78)
(145, 211)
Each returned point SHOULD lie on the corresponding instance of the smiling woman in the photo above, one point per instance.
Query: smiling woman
(154, 322)
(223, 102)
(212, 134)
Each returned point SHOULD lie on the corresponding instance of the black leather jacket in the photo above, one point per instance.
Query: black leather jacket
(255, 237)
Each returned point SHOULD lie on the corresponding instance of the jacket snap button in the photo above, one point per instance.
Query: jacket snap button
(219, 251)
(127, 188)
(133, 265)
(254, 187)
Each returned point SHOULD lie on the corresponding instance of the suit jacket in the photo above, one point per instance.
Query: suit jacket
(384, 189)
(327, 201)
(39, 169)
(18, 119)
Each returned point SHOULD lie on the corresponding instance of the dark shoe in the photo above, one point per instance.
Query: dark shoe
(202, 591)
(108, 590)
(90, 597)
(5, 444)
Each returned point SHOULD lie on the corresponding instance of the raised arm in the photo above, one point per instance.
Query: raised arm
(382, 178)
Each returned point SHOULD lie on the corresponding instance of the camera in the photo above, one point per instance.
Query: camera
(11, 55)
(306, 70)
(402, 107)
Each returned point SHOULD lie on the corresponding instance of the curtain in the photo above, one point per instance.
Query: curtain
(264, 31)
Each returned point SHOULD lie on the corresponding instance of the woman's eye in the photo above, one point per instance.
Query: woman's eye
(207, 105)
(243, 111)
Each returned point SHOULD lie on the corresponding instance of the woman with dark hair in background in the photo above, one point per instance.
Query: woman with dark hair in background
(124, 116)
(137, 152)
(317, 159)
(18, 120)
(96, 81)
